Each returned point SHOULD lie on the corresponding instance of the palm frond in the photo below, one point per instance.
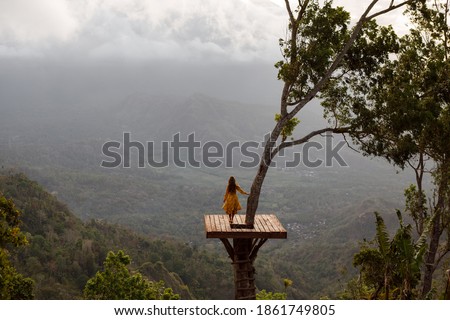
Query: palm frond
(382, 236)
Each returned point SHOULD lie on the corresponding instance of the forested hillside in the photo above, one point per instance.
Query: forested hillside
(64, 252)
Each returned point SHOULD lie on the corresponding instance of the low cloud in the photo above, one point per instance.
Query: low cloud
(135, 29)
(23, 21)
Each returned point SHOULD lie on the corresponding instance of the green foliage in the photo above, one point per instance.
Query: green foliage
(116, 282)
(264, 295)
(288, 128)
(321, 34)
(403, 115)
(345, 97)
(393, 266)
(268, 295)
(10, 233)
(355, 290)
(319, 37)
(287, 283)
(415, 205)
(13, 285)
(63, 252)
(402, 109)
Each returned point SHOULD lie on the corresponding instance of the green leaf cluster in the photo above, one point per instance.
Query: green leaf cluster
(13, 285)
(117, 282)
(288, 128)
(264, 295)
(269, 295)
(10, 233)
(390, 268)
(321, 32)
(401, 107)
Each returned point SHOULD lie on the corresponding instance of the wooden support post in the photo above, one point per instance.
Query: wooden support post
(229, 248)
(246, 243)
(243, 253)
(244, 272)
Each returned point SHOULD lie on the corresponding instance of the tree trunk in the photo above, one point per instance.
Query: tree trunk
(431, 255)
(264, 164)
(386, 286)
(255, 191)
(436, 231)
(244, 272)
(406, 290)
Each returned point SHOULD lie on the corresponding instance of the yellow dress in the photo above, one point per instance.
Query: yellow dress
(231, 203)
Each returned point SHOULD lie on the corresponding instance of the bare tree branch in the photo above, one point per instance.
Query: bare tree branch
(302, 10)
(441, 255)
(289, 10)
(390, 8)
(446, 12)
(306, 138)
(295, 22)
(290, 104)
(348, 144)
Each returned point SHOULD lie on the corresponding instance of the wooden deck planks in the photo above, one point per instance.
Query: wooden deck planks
(266, 226)
(259, 225)
(268, 223)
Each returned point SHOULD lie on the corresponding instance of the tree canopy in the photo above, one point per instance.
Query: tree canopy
(402, 113)
(117, 282)
(324, 56)
(13, 285)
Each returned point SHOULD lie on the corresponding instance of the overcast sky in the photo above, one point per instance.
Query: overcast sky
(143, 30)
(225, 48)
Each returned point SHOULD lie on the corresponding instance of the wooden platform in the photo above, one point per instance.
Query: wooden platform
(267, 226)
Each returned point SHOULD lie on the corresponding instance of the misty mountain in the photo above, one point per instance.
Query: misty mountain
(160, 117)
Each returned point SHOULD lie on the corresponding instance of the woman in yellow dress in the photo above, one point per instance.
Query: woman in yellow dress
(231, 203)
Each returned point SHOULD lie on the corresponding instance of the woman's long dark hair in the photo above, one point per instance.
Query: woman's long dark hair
(231, 185)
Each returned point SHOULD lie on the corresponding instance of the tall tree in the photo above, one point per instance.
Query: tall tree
(404, 116)
(116, 282)
(13, 285)
(321, 55)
